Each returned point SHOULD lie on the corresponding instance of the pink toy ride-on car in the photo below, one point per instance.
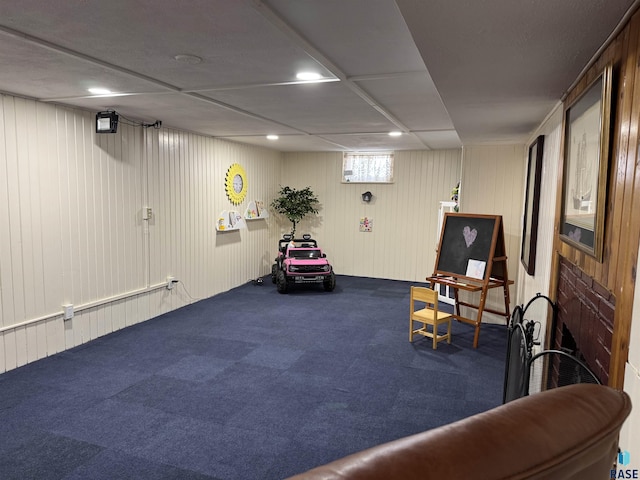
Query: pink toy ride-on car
(301, 261)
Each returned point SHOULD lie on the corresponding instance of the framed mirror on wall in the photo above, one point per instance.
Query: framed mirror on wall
(587, 125)
(532, 206)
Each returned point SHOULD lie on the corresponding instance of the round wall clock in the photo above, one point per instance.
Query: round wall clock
(236, 184)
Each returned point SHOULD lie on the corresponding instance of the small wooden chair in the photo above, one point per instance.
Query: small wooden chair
(429, 315)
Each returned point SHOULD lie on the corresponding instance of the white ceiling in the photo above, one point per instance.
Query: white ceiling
(445, 72)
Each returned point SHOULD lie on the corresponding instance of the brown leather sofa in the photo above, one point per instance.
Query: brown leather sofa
(564, 433)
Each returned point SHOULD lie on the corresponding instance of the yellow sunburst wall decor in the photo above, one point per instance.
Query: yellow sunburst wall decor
(236, 184)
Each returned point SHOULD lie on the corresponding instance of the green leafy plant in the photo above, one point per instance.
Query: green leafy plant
(455, 194)
(295, 204)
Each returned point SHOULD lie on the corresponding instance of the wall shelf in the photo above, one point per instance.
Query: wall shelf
(229, 220)
(256, 210)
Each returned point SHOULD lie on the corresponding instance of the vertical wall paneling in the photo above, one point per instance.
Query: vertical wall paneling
(628, 180)
(13, 282)
(6, 282)
(529, 286)
(492, 183)
(188, 196)
(71, 203)
(625, 183)
(50, 332)
(3, 354)
(616, 272)
(630, 434)
(405, 213)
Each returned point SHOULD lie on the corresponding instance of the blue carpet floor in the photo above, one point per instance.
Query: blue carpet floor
(249, 384)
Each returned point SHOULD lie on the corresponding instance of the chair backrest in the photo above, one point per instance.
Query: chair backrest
(425, 295)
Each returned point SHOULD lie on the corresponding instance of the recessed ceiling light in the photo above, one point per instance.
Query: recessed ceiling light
(395, 134)
(308, 76)
(190, 59)
(100, 91)
(273, 137)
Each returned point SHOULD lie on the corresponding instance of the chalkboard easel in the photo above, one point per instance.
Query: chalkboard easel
(472, 257)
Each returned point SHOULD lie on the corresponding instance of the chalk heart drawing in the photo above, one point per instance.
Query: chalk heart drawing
(469, 235)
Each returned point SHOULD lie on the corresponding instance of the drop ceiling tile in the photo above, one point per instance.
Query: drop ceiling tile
(441, 140)
(412, 98)
(319, 108)
(376, 142)
(236, 43)
(33, 71)
(290, 143)
(366, 36)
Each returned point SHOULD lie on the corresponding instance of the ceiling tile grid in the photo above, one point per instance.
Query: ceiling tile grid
(443, 73)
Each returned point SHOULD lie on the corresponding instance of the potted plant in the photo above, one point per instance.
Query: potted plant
(295, 204)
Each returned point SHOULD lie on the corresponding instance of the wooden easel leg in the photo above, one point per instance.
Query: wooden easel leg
(507, 313)
(483, 299)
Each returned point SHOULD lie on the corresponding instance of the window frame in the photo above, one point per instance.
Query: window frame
(351, 155)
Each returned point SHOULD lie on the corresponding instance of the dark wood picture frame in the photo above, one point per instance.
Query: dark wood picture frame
(532, 206)
(587, 127)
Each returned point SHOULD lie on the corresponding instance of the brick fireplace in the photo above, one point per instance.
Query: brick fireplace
(585, 320)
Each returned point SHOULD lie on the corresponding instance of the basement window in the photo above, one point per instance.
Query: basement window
(367, 167)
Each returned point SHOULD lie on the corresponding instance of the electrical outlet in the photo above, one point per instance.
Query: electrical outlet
(170, 282)
(147, 213)
(67, 311)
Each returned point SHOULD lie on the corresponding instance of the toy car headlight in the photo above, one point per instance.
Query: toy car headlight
(325, 268)
(293, 268)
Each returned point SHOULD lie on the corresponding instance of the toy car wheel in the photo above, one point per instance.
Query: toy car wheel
(330, 283)
(274, 272)
(281, 282)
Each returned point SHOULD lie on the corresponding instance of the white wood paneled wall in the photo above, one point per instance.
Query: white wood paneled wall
(630, 434)
(405, 213)
(187, 196)
(529, 286)
(73, 232)
(492, 183)
(72, 229)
